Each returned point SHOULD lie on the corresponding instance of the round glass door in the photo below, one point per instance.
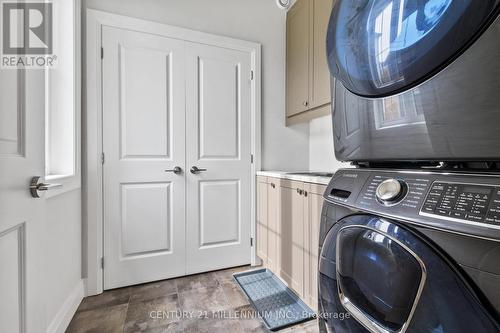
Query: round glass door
(375, 275)
(381, 47)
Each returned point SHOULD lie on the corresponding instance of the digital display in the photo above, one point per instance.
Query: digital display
(477, 190)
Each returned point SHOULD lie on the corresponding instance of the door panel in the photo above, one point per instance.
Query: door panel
(219, 109)
(292, 235)
(274, 225)
(218, 125)
(262, 219)
(145, 111)
(11, 280)
(12, 115)
(144, 128)
(220, 217)
(320, 92)
(297, 59)
(146, 218)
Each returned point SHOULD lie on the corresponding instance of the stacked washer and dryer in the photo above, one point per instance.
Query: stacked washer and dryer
(410, 237)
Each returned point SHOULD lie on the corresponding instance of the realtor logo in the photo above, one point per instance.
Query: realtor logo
(27, 36)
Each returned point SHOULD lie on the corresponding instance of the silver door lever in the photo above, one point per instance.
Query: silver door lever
(36, 187)
(177, 170)
(194, 170)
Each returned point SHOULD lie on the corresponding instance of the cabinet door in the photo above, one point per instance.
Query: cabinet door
(314, 204)
(319, 88)
(273, 225)
(262, 221)
(297, 58)
(292, 235)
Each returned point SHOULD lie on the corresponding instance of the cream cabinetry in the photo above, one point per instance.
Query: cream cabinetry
(293, 226)
(308, 93)
(268, 233)
(314, 194)
(288, 218)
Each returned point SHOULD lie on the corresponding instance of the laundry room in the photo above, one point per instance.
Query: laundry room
(340, 172)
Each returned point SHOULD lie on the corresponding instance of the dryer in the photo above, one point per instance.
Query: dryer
(415, 80)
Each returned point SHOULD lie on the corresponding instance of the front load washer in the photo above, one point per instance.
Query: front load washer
(410, 251)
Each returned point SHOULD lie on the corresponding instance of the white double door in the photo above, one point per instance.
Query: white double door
(170, 104)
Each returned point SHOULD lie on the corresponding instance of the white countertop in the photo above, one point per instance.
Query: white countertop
(301, 178)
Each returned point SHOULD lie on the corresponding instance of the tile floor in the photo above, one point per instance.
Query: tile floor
(192, 304)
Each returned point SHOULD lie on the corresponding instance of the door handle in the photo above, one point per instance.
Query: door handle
(195, 170)
(177, 170)
(36, 187)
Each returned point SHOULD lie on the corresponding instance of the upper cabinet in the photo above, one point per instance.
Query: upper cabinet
(308, 93)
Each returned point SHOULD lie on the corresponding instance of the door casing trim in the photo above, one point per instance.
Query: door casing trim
(92, 196)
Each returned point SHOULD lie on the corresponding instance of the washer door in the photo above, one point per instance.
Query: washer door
(381, 47)
(376, 276)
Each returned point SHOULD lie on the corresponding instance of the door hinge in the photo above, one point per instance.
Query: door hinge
(103, 158)
(251, 158)
(251, 75)
(102, 52)
(102, 262)
(251, 241)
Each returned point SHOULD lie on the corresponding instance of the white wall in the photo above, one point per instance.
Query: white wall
(321, 151)
(255, 20)
(63, 250)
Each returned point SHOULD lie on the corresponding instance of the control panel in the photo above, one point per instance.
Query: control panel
(408, 194)
(468, 204)
(464, 202)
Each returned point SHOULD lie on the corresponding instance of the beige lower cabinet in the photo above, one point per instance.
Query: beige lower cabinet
(292, 247)
(314, 194)
(268, 233)
(262, 221)
(288, 219)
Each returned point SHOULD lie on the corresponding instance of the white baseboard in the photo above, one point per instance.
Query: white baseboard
(63, 317)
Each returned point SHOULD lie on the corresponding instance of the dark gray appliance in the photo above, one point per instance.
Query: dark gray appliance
(410, 251)
(422, 71)
(410, 238)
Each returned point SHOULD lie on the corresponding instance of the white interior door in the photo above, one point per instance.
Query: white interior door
(22, 222)
(218, 141)
(143, 134)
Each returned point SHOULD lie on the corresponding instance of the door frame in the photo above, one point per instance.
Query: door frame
(92, 119)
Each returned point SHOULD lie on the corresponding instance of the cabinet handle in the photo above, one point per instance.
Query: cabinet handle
(299, 191)
(273, 185)
(305, 193)
(305, 103)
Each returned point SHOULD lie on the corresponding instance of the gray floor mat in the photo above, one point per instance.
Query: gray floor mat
(274, 302)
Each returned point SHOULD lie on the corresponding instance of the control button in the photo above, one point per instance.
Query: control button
(428, 208)
(390, 190)
(494, 211)
(433, 200)
(492, 220)
(435, 193)
(458, 215)
(445, 205)
(443, 212)
(474, 217)
(478, 211)
(494, 215)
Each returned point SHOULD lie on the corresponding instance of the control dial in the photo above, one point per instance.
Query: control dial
(391, 190)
